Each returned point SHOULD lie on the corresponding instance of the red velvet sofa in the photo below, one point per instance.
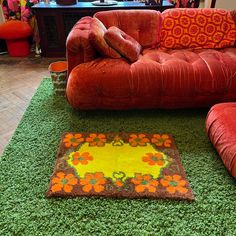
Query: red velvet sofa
(188, 59)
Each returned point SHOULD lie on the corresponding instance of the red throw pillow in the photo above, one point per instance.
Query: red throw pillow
(96, 37)
(123, 43)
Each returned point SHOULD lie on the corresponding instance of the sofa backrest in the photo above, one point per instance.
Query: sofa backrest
(143, 25)
(197, 28)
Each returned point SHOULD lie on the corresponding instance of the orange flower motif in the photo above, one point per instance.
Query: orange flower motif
(168, 23)
(63, 182)
(185, 21)
(154, 159)
(138, 139)
(161, 140)
(73, 140)
(169, 42)
(81, 158)
(96, 140)
(94, 181)
(119, 183)
(144, 182)
(174, 183)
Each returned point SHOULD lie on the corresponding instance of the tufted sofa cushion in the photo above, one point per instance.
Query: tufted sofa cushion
(155, 80)
(142, 25)
(197, 28)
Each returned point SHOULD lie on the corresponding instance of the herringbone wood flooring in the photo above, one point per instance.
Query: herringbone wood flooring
(19, 78)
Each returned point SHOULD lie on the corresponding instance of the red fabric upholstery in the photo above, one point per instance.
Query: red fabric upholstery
(160, 78)
(142, 25)
(123, 43)
(96, 37)
(163, 79)
(221, 129)
(197, 28)
(78, 47)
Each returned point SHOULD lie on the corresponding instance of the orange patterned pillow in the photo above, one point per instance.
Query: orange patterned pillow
(123, 43)
(96, 37)
(197, 28)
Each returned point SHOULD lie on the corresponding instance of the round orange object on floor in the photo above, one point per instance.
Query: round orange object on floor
(221, 129)
(59, 66)
(58, 71)
(16, 34)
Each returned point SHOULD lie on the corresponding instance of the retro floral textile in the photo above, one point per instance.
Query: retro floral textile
(21, 10)
(197, 28)
(132, 165)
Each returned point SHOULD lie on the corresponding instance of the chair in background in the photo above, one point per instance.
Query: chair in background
(185, 3)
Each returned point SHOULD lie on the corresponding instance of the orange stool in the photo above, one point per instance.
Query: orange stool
(16, 33)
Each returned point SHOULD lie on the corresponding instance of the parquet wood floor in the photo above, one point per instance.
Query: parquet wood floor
(19, 78)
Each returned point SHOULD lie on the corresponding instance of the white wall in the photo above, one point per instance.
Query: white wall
(225, 4)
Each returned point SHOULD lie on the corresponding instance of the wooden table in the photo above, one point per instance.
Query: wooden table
(55, 21)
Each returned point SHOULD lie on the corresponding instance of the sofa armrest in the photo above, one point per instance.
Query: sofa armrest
(78, 46)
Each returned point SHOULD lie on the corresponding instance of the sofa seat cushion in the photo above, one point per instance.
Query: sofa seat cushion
(123, 43)
(159, 79)
(197, 28)
(221, 129)
(198, 72)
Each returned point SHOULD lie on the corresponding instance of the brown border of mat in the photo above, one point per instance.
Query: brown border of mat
(61, 165)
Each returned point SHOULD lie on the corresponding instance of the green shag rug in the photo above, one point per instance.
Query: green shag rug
(28, 161)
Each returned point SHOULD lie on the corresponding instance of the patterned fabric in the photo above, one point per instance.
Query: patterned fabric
(96, 37)
(21, 10)
(119, 165)
(123, 43)
(197, 28)
(233, 14)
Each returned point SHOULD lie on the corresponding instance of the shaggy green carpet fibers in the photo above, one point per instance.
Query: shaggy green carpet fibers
(28, 162)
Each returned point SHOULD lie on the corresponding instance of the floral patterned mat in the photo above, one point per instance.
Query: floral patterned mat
(130, 165)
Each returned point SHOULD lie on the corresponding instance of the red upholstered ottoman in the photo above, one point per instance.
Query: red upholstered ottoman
(16, 33)
(221, 129)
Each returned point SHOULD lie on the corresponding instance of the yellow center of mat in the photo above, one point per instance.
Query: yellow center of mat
(118, 161)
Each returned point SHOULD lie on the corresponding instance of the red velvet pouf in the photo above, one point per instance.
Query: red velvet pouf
(221, 129)
(16, 34)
